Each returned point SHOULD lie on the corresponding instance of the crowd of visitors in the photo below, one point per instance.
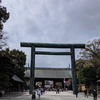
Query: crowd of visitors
(94, 93)
(41, 91)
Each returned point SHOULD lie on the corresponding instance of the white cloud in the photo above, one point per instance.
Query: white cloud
(51, 21)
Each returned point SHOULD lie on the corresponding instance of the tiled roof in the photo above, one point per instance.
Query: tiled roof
(16, 78)
(50, 73)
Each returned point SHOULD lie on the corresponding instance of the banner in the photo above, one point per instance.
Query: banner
(64, 80)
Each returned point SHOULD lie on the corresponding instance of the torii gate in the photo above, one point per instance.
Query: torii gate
(51, 45)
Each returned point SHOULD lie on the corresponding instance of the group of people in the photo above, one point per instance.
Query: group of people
(94, 93)
(59, 90)
(86, 95)
(40, 91)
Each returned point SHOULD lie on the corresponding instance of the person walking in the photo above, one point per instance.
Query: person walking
(33, 95)
(95, 94)
(85, 93)
(44, 90)
(56, 91)
(39, 92)
(89, 92)
(76, 92)
(22, 89)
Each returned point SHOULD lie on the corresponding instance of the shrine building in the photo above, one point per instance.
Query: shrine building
(50, 77)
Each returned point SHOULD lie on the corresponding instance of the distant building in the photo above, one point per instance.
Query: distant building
(51, 77)
(17, 84)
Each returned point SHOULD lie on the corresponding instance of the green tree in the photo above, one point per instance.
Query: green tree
(90, 58)
(4, 16)
(6, 71)
(11, 62)
(80, 63)
(6, 65)
(19, 59)
(87, 75)
(91, 53)
(98, 73)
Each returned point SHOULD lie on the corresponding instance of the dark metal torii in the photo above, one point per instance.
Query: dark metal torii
(51, 45)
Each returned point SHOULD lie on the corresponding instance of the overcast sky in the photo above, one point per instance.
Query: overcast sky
(51, 21)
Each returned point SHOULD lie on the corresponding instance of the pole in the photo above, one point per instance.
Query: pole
(32, 71)
(74, 84)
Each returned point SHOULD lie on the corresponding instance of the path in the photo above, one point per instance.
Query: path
(47, 96)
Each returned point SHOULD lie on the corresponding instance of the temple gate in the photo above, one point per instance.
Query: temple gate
(51, 45)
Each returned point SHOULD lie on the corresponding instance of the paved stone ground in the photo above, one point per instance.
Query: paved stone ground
(10, 95)
(47, 96)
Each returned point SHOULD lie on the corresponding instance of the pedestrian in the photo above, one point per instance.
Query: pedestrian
(33, 95)
(95, 94)
(22, 89)
(76, 92)
(85, 93)
(44, 90)
(62, 89)
(56, 91)
(39, 92)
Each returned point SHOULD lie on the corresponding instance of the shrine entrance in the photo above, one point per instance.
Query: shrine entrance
(50, 45)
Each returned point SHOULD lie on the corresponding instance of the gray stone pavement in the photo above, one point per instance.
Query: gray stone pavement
(47, 96)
